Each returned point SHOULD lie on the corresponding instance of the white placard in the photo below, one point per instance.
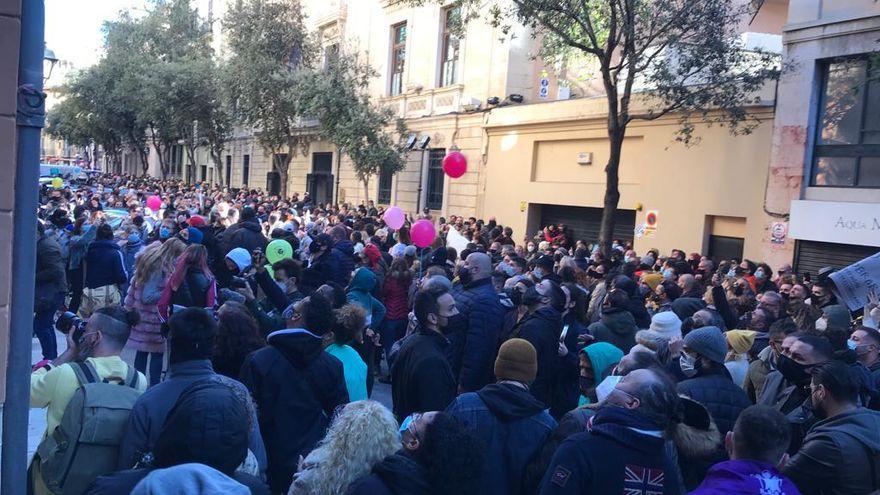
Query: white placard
(855, 281)
(831, 221)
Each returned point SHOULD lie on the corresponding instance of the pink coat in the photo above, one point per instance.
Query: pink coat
(146, 336)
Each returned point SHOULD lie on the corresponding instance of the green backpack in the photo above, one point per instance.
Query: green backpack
(86, 443)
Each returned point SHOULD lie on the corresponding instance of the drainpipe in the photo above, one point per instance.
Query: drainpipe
(29, 121)
(338, 168)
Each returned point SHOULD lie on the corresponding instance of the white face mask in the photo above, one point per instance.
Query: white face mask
(687, 363)
(604, 389)
(822, 324)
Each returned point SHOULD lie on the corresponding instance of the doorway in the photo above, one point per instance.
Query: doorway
(319, 183)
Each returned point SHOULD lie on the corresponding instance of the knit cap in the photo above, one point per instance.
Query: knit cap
(517, 361)
(740, 340)
(652, 279)
(195, 236)
(708, 342)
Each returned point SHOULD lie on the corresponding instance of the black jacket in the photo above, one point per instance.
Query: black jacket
(397, 474)
(611, 457)
(716, 391)
(484, 317)
(50, 274)
(297, 387)
(245, 234)
(617, 327)
(542, 329)
(565, 391)
(318, 273)
(841, 455)
(342, 257)
(104, 264)
(421, 378)
(636, 304)
(193, 291)
(123, 482)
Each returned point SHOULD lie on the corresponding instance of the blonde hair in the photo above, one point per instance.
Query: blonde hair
(363, 434)
(157, 259)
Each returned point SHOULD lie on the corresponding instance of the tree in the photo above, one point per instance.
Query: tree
(269, 44)
(653, 58)
(338, 97)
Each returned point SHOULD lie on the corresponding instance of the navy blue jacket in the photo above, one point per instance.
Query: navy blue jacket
(512, 424)
(542, 329)
(247, 234)
(297, 387)
(342, 257)
(716, 391)
(612, 458)
(565, 392)
(105, 264)
(484, 316)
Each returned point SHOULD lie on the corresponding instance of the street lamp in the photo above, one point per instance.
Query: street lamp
(48, 56)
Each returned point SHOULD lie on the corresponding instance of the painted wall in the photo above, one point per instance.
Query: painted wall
(533, 159)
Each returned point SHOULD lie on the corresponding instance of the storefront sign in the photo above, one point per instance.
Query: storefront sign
(778, 231)
(830, 221)
(855, 281)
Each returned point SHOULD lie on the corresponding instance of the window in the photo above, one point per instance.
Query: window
(847, 150)
(449, 46)
(398, 57)
(175, 160)
(384, 196)
(246, 169)
(228, 170)
(434, 197)
(331, 52)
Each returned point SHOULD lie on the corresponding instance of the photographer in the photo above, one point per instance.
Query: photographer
(98, 346)
(280, 292)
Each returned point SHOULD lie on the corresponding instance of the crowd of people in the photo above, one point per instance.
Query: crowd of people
(230, 340)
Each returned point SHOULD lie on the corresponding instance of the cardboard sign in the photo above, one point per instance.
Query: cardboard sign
(455, 240)
(853, 283)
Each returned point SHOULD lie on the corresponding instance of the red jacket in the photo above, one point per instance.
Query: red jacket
(395, 296)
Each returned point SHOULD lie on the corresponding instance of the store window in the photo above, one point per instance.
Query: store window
(847, 150)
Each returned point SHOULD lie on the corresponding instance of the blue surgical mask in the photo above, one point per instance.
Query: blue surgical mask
(852, 344)
(507, 269)
(759, 274)
(538, 273)
(667, 273)
(164, 233)
(731, 273)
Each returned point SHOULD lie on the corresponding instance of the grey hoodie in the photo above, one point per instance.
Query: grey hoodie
(841, 455)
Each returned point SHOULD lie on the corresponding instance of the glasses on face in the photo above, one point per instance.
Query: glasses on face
(408, 422)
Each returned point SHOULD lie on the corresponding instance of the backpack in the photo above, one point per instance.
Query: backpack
(85, 444)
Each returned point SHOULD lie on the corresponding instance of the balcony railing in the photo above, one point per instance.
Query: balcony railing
(427, 102)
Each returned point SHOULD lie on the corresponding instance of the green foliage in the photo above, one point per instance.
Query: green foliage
(338, 97)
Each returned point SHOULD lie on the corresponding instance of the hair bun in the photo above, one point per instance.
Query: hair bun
(132, 318)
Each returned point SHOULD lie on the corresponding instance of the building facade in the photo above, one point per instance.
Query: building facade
(823, 191)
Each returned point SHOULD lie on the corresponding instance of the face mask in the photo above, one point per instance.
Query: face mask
(604, 389)
(667, 273)
(453, 324)
(687, 363)
(508, 270)
(164, 233)
(628, 259)
(731, 273)
(514, 295)
(465, 275)
(282, 286)
(585, 384)
(531, 297)
(793, 371)
(821, 324)
(759, 274)
(593, 273)
(538, 273)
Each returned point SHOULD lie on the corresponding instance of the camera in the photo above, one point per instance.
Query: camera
(69, 321)
(238, 283)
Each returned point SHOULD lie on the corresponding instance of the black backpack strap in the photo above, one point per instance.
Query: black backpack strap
(85, 373)
(132, 378)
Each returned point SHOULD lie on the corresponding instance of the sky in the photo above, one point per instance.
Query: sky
(73, 27)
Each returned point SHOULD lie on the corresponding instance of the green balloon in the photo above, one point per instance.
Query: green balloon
(278, 250)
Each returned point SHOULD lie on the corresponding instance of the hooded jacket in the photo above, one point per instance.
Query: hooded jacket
(360, 291)
(342, 256)
(297, 387)
(421, 378)
(513, 425)
(542, 329)
(621, 450)
(636, 303)
(745, 476)
(840, 455)
(483, 315)
(129, 252)
(617, 327)
(246, 234)
(397, 474)
(105, 264)
(50, 273)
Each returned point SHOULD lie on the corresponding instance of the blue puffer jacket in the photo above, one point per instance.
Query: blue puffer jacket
(483, 315)
(512, 424)
(342, 256)
(105, 264)
(716, 391)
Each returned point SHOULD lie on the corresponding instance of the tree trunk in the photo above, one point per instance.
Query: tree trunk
(612, 192)
(283, 168)
(191, 166)
(216, 158)
(366, 190)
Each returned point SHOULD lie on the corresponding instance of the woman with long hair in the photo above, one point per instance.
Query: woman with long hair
(192, 285)
(363, 434)
(395, 296)
(152, 269)
(237, 336)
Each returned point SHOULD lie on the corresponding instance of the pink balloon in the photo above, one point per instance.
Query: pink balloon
(154, 203)
(423, 233)
(394, 217)
(455, 164)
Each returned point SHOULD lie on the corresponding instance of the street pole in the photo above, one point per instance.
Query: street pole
(30, 118)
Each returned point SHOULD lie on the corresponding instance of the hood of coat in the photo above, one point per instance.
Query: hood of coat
(364, 280)
(603, 357)
(861, 424)
(298, 345)
(241, 257)
(696, 437)
(403, 475)
(549, 315)
(345, 246)
(251, 224)
(510, 402)
(104, 245)
(619, 321)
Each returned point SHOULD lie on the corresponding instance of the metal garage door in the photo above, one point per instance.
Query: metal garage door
(583, 223)
(810, 256)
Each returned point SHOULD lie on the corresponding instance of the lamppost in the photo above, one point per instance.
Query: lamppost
(48, 56)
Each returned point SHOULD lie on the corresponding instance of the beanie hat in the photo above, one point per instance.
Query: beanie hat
(740, 340)
(517, 360)
(652, 280)
(195, 236)
(196, 221)
(665, 325)
(545, 262)
(708, 342)
(409, 251)
(838, 316)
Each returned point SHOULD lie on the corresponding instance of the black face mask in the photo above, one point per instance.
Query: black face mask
(738, 290)
(586, 385)
(464, 274)
(531, 297)
(593, 273)
(514, 295)
(793, 371)
(454, 324)
(784, 296)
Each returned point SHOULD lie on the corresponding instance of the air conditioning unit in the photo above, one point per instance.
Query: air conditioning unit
(585, 158)
(470, 104)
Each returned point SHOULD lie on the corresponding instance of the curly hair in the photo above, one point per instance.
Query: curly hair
(363, 434)
(237, 332)
(347, 322)
(453, 456)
